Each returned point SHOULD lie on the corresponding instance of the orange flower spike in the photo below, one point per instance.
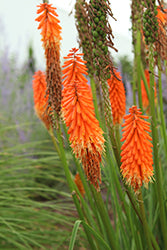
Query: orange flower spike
(49, 24)
(117, 97)
(136, 155)
(145, 100)
(50, 32)
(86, 136)
(79, 184)
(40, 98)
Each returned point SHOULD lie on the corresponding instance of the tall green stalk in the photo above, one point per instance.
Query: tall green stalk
(93, 87)
(105, 218)
(144, 220)
(164, 135)
(72, 189)
(138, 63)
(158, 182)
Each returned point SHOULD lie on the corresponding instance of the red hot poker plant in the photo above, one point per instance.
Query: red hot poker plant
(77, 106)
(136, 155)
(40, 98)
(117, 97)
(50, 32)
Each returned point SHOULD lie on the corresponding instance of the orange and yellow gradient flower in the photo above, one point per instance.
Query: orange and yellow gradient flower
(136, 155)
(86, 136)
(40, 98)
(117, 97)
(50, 32)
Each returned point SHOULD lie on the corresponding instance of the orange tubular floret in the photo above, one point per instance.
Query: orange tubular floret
(136, 155)
(117, 97)
(40, 98)
(85, 134)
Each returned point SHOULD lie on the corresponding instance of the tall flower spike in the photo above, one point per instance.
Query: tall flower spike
(85, 39)
(161, 43)
(117, 97)
(102, 37)
(40, 98)
(50, 32)
(145, 100)
(86, 136)
(136, 155)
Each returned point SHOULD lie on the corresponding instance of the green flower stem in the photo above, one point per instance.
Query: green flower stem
(72, 188)
(117, 132)
(164, 136)
(158, 182)
(82, 176)
(87, 191)
(144, 220)
(88, 195)
(134, 83)
(118, 184)
(54, 141)
(105, 218)
(93, 87)
(138, 63)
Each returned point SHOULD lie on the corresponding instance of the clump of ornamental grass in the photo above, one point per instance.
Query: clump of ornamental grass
(86, 136)
(51, 37)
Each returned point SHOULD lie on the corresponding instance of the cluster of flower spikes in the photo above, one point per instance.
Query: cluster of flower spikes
(145, 100)
(40, 98)
(50, 32)
(86, 136)
(101, 32)
(136, 155)
(82, 25)
(117, 97)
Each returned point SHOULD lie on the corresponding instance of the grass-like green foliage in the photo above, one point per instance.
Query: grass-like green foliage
(36, 207)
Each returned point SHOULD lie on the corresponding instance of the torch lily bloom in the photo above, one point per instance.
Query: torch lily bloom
(117, 97)
(136, 155)
(86, 136)
(40, 98)
(50, 32)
